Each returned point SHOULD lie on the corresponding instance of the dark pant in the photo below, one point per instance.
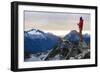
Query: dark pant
(80, 32)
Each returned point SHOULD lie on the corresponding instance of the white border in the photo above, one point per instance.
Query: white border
(22, 64)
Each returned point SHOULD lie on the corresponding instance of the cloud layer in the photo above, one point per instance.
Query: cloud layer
(54, 21)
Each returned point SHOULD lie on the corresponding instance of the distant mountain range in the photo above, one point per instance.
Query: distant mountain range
(38, 41)
(74, 36)
(86, 38)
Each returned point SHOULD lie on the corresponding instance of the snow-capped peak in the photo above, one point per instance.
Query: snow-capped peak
(35, 32)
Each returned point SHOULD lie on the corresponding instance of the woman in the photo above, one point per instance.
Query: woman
(80, 25)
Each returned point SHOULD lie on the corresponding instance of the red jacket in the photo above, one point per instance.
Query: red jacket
(81, 24)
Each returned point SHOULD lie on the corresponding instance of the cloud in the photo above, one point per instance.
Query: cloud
(55, 21)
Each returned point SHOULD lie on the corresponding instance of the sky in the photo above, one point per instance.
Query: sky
(54, 21)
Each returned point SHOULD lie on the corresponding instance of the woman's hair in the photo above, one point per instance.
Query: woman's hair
(81, 18)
